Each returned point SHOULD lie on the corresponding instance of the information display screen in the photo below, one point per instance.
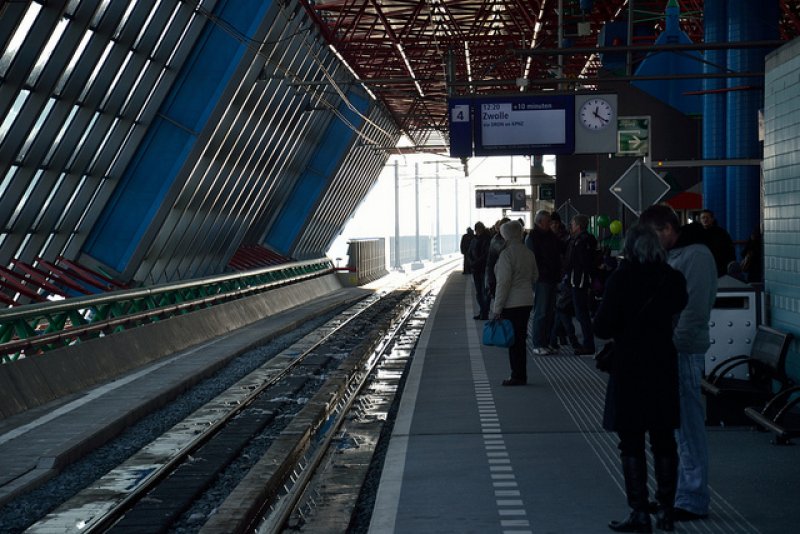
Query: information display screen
(524, 125)
(513, 199)
(497, 199)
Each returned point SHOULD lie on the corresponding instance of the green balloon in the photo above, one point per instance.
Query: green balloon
(615, 227)
(603, 221)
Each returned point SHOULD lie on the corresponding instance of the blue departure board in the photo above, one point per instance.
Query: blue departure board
(511, 125)
(524, 125)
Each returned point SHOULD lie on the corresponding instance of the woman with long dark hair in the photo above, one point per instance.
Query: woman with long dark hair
(641, 298)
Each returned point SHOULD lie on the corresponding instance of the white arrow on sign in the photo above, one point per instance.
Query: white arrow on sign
(639, 187)
(635, 142)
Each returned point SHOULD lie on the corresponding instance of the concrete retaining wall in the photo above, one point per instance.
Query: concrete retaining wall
(37, 380)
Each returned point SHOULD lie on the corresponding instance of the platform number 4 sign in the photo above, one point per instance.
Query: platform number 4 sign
(460, 113)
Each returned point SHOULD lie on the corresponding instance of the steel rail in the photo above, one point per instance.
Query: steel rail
(107, 521)
(281, 510)
(243, 395)
(285, 506)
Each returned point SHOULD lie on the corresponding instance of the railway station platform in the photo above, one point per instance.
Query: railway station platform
(470, 455)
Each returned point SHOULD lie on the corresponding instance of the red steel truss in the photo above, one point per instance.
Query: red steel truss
(412, 54)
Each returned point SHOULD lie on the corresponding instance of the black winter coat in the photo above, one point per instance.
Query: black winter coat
(581, 259)
(478, 251)
(721, 245)
(547, 249)
(642, 391)
(466, 239)
(496, 244)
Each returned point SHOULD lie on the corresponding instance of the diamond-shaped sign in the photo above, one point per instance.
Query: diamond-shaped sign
(639, 187)
(567, 211)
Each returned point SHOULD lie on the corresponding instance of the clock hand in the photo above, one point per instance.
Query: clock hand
(598, 116)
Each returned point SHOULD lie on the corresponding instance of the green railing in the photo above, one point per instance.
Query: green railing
(40, 327)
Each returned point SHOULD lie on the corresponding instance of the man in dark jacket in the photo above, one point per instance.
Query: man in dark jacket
(581, 266)
(546, 247)
(466, 239)
(688, 253)
(719, 242)
(478, 252)
(559, 230)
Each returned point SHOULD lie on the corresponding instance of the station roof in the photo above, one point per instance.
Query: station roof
(412, 54)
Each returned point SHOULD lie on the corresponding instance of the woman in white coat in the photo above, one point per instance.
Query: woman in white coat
(516, 272)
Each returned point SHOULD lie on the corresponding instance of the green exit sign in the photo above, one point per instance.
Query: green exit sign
(633, 136)
(547, 192)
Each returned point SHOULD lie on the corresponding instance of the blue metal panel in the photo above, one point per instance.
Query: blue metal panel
(146, 183)
(309, 187)
(714, 117)
(747, 21)
(673, 92)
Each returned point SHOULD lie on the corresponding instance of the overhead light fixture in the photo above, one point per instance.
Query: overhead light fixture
(352, 72)
(410, 70)
(469, 63)
(534, 39)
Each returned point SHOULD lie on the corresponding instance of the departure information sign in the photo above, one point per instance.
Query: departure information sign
(524, 125)
(530, 125)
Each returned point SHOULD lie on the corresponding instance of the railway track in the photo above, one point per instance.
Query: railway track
(242, 462)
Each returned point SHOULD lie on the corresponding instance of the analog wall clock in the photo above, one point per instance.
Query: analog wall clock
(596, 114)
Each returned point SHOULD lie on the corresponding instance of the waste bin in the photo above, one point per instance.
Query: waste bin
(734, 319)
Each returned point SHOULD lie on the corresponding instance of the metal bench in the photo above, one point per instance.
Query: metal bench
(728, 396)
(780, 415)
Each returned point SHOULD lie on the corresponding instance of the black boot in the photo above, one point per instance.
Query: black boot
(635, 470)
(666, 471)
(636, 522)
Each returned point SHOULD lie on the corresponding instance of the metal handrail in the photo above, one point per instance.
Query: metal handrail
(47, 325)
(112, 296)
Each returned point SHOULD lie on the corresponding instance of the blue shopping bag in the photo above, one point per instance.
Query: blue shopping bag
(498, 333)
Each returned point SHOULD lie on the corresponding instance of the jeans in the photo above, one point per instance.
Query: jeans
(693, 493)
(480, 294)
(562, 327)
(544, 304)
(580, 300)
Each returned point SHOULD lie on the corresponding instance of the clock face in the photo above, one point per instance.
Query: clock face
(596, 114)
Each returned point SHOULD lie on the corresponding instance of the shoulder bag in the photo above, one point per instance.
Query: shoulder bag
(498, 333)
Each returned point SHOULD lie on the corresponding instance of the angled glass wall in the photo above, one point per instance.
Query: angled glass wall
(81, 82)
(150, 139)
(348, 186)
